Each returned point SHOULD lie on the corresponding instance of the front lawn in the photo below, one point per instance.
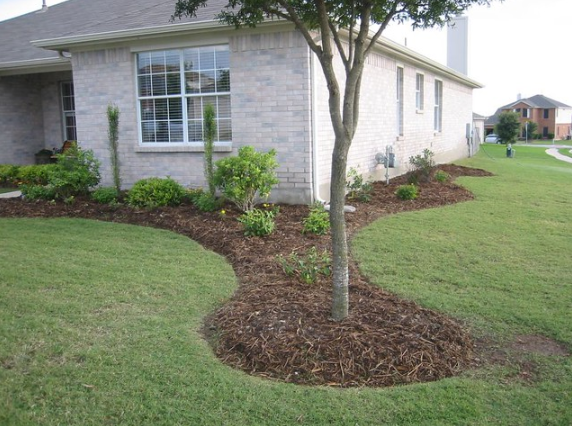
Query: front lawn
(99, 322)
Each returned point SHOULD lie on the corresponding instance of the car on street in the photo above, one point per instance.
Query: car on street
(492, 138)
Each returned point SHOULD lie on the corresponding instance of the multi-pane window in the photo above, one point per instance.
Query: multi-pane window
(399, 96)
(175, 85)
(526, 112)
(438, 109)
(68, 111)
(419, 92)
(546, 113)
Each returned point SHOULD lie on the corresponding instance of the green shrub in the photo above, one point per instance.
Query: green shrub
(422, 165)
(105, 195)
(258, 222)
(209, 132)
(317, 221)
(206, 202)
(550, 135)
(358, 188)
(9, 174)
(442, 176)
(308, 267)
(75, 172)
(242, 177)
(407, 192)
(38, 192)
(38, 174)
(156, 192)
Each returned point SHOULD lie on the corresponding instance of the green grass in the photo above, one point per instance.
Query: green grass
(565, 151)
(99, 322)
(547, 142)
(4, 190)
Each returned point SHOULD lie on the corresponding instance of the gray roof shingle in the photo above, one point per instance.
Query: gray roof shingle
(86, 17)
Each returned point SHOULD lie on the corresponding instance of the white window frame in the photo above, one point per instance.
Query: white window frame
(68, 112)
(419, 92)
(438, 107)
(400, 76)
(184, 97)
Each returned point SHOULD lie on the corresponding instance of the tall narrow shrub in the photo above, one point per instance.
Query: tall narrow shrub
(209, 134)
(113, 134)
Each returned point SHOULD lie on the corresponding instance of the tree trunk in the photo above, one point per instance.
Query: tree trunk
(340, 277)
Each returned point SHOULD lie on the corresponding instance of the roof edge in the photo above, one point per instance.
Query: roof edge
(32, 66)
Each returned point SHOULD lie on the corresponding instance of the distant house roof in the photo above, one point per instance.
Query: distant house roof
(538, 101)
(478, 116)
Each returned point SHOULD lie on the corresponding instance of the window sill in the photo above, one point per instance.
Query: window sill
(400, 138)
(183, 148)
(420, 111)
(436, 133)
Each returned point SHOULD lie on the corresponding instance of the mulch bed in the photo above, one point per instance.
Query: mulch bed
(277, 327)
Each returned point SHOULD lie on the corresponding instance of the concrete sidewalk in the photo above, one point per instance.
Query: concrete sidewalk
(13, 194)
(554, 153)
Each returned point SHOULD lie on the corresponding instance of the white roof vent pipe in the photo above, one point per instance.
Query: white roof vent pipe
(44, 6)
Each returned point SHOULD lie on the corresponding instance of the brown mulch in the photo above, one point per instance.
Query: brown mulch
(277, 327)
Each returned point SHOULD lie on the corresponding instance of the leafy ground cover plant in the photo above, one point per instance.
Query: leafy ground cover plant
(258, 222)
(407, 192)
(318, 220)
(441, 176)
(244, 177)
(156, 192)
(358, 188)
(307, 267)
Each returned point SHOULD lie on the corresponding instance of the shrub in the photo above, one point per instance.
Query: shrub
(75, 172)
(113, 136)
(209, 133)
(358, 188)
(258, 222)
(35, 175)
(308, 267)
(9, 174)
(38, 192)
(155, 192)
(242, 177)
(317, 221)
(105, 195)
(422, 165)
(442, 176)
(407, 192)
(550, 135)
(206, 202)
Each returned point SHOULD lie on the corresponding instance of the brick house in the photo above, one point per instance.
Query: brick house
(62, 66)
(552, 117)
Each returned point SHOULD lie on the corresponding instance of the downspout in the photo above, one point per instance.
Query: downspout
(314, 101)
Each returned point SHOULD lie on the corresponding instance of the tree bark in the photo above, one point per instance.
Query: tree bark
(340, 270)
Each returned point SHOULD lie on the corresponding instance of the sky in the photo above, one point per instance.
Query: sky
(515, 47)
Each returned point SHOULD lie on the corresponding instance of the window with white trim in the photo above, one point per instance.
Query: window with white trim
(419, 92)
(173, 88)
(68, 111)
(399, 96)
(438, 109)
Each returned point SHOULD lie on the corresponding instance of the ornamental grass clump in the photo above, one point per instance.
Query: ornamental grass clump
(244, 177)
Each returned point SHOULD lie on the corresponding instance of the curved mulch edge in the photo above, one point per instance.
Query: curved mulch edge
(279, 328)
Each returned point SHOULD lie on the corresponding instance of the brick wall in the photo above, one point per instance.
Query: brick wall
(270, 109)
(377, 126)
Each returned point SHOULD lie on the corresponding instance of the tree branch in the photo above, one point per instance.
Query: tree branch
(293, 17)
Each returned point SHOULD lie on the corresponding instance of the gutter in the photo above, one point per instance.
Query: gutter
(32, 66)
(63, 43)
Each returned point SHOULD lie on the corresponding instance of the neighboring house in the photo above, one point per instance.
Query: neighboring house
(61, 67)
(552, 117)
(478, 128)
